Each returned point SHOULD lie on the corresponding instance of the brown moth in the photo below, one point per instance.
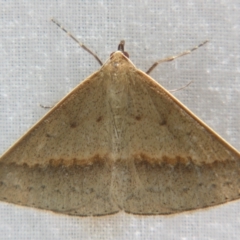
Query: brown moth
(117, 142)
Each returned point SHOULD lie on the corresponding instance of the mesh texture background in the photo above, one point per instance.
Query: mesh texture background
(39, 64)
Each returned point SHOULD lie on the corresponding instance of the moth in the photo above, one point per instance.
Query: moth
(117, 142)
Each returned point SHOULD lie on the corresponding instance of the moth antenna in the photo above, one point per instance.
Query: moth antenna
(77, 41)
(169, 59)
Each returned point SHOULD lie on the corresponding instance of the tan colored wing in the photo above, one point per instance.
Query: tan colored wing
(172, 161)
(119, 141)
(62, 163)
